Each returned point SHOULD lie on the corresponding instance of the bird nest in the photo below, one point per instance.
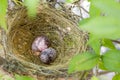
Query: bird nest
(64, 35)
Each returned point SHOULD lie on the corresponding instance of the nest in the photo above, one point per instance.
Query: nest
(64, 35)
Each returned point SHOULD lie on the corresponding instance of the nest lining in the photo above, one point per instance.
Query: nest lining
(64, 35)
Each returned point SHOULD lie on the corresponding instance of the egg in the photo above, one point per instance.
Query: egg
(48, 55)
(40, 43)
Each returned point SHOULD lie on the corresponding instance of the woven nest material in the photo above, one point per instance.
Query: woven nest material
(63, 33)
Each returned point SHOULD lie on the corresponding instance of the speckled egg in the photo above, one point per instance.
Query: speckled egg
(48, 55)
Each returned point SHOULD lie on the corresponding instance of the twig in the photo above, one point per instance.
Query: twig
(105, 72)
(116, 41)
(84, 9)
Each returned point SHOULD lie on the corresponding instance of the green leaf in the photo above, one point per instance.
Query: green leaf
(83, 21)
(31, 7)
(116, 77)
(3, 22)
(94, 78)
(3, 6)
(103, 27)
(111, 60)
(108, 43)
(101, 65)
(18, 77)
(69, 1)
(94, 43)
(3, 9)
(84, 61)
(111, 7)
(94, 11)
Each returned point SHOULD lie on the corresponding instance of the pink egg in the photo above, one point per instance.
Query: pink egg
(40, 43)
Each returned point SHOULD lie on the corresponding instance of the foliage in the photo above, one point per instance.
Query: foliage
(94, 43)
(94, 78)
(116, 77)
(103, 27)
(108, 43)
(3, 10)
(84, 61)
(3, 76)
(30, 4)
(71, 1)
(31, 7)
(112, 57)
(18, 77)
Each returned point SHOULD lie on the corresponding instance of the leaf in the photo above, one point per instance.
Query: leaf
(94, 78)
(84, 61)
(116, 77)
(3, 9)
(111, 7)
(108, 43)
(111, 60)
(103, 27)
(32, 7)
(18, 77)
(94, 43)
(94, 11)
(83, 21)
(3, 23)
(101, 65)
(69, 1)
